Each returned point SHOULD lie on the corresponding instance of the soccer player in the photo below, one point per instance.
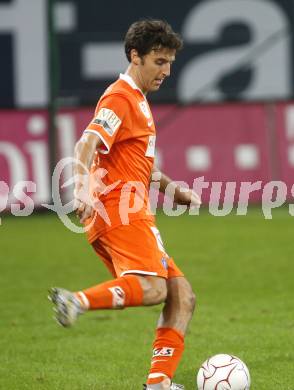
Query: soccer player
(118, 146)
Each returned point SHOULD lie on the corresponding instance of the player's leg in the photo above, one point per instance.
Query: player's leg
(128, 251)
(126, 291)
(168, 345)
(179, 305)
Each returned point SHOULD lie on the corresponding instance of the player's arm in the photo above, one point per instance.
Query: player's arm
(99, 136)
(181, 195)
(84, 155)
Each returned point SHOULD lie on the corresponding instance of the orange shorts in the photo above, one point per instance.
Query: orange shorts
(136, 248)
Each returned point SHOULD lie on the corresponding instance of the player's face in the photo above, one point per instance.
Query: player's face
(153, 68)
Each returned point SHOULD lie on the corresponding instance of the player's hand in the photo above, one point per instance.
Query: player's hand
(187, 197)
(82, 207)
(84, 212)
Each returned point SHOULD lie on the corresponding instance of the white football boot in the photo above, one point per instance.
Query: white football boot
(67, 306)
(175, 386)
(161, 386)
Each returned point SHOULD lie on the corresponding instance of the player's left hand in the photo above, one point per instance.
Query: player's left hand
(187, 197)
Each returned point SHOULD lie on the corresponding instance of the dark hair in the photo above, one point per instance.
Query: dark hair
(148, 34)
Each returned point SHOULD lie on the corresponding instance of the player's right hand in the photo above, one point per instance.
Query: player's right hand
(82, 207)
(84, 212)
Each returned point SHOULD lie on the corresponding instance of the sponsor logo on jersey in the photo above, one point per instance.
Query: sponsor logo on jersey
(118, 296)
(108, 120)
(165, 351)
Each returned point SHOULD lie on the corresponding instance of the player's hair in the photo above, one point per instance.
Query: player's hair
(149, 34)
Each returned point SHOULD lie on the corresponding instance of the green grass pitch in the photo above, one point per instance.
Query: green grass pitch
(241, 268)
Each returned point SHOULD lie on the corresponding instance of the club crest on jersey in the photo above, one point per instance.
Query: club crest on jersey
(150, 151)
(164, 262)
(165, 351)
(145, 109)
(108, 120)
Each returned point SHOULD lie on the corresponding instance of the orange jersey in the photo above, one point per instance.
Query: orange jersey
(124, 123)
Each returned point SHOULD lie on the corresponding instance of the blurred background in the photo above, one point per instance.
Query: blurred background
(225, 113)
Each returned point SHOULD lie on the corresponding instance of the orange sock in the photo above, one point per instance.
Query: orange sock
(122, 292)
(168, 348)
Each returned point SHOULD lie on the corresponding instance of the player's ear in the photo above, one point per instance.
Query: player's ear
(136, 60)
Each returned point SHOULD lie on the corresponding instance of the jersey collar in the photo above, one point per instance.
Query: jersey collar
(128, 79)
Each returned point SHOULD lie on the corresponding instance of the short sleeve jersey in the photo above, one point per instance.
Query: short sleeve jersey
(124, 123)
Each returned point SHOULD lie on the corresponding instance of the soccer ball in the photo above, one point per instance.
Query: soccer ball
(223, 372)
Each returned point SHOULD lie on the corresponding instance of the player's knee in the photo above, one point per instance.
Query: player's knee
(158, 290)
(154, 290)
(160, 293)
